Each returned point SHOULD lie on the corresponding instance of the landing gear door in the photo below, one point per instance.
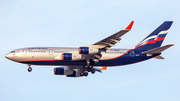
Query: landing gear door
(24, 51)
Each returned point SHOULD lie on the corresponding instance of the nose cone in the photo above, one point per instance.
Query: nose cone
(8, 56)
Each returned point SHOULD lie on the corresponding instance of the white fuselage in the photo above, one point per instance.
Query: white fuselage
(52, 53)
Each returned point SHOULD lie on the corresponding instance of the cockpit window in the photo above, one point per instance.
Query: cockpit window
(13, 52)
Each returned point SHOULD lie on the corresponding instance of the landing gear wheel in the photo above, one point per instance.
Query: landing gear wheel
(90, 67)
(86, 67)
(93, 71)
(85, 73)
(81, 74)
(29, 69)
(88, 70)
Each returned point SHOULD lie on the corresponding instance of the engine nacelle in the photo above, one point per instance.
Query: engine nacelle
(62, 71)
(76, 73)
(88, 50)
(71, 56)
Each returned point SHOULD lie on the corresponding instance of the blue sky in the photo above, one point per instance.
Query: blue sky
(67, 23)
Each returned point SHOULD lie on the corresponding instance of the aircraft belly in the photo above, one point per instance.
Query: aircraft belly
(124, 60)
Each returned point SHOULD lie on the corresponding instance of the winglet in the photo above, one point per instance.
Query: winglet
(104, 68)
(129, 26)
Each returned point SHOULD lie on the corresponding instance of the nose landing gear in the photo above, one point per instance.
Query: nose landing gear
(29, 69)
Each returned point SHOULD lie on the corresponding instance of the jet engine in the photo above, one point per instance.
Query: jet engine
(62, 71)
(76, 73)
(88, 50)
(71, 56)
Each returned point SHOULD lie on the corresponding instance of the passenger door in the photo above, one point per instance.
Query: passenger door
(50, 52)
(24, 51)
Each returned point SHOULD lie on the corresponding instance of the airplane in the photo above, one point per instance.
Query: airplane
(77, 62)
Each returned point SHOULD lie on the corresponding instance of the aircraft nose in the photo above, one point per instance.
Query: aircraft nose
(8, 56)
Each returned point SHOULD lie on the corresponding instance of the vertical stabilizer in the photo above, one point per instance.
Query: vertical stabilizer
(156, 38)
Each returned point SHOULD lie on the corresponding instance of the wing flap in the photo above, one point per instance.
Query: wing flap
(112, 38)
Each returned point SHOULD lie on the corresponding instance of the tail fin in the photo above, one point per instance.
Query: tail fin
(156, 38)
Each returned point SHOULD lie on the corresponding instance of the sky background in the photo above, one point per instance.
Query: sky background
(74, 23)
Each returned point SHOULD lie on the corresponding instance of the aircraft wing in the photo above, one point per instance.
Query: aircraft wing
(110, 41)
(93, 52)
(106, 44)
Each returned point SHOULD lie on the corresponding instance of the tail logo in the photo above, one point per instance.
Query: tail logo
(153, 39)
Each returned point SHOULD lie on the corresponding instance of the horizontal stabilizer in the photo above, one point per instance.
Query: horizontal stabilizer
(157, 50)
(158, 57)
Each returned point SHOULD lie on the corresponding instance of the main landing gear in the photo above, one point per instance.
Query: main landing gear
(29, 69)
(84, 73)
(87, 69)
